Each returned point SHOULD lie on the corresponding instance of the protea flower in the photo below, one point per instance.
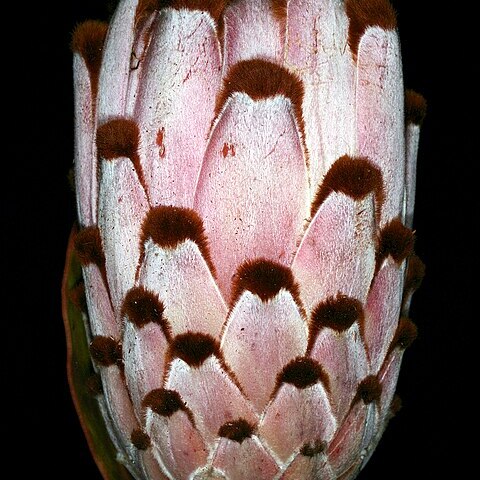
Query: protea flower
(245, 176)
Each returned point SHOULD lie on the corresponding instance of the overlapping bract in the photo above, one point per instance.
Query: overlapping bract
(245, 176)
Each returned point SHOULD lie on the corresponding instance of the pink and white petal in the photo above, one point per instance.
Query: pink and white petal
(382, 420)
(119, 407)
(209, 392)
(85, 150)
(122, 206)
(150, 466)
(170, 435)
(141, 464)
(243, 42)
(175, 107)
(343, 357)
(181, 278)
(137, 59)
(368, 452)
(415, 111)
(115, 436)
(382, 311)
(412, 142)
(317, 50)
(287, 424)
(247, 459)
(352, 472)
(388, 377)
(100, 312)
(310, 25)
(380, 112)
(259, 190)
(209, 473)
(337, 253)
(115, 71)
(372, 425)
(144, 361)
(263, 337)
(304, 466)
(345, 445)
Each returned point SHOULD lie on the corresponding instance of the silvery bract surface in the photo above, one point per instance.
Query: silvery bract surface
(245, 181)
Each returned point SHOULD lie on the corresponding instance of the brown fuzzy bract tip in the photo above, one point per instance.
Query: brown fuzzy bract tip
(88, 246)
(405, 334)
(140, 439)
(118, 138)
(88, 39)
(169, 226)
(105, 351)
(193, 348)
(369, 390)
(163, 402)
(368, 13)
(78, 297)
(144, 9)
(352, 176)
(263, 278)
(396, 405)
(313, 448)
(415, 274)
(214, 7)
(279, 9)
(415, 107)
(142, 306)
(237, 430)
(338, 313)
(396, 240)
(303, 372)
(261, 79)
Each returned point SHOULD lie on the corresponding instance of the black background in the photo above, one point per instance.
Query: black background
(427, 439)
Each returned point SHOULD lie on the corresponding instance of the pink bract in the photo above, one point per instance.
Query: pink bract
(245, 182)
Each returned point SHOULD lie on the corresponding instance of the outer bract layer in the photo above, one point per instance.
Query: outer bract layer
(245, 180)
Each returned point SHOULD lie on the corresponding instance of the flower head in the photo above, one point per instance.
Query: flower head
(245, 181)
